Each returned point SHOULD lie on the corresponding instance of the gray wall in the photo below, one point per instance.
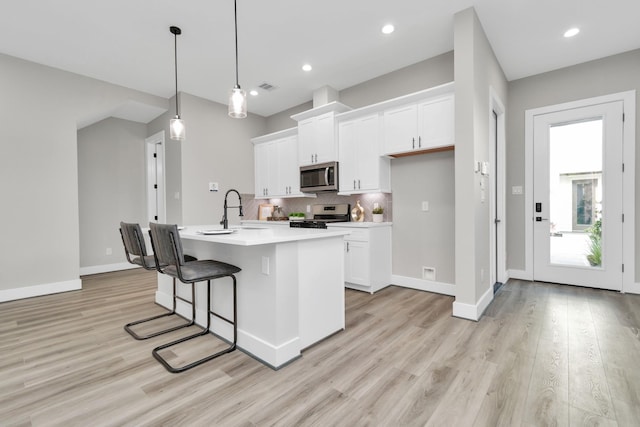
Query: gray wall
(476, 70)
(217, 149)
(111, 187)
(601, 77)
(39, 115)
(423, 238)
(430, 240)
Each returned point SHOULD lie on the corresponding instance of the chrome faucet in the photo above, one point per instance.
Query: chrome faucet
(225, 221)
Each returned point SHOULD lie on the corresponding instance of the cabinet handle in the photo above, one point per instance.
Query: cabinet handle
(354, 184)
(316, 158)
(358, 184)
(347, 246)
(419, 142)
(312, 158)
(413, 143)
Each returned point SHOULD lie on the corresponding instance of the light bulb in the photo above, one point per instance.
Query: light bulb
(177, 129)
(237, 103)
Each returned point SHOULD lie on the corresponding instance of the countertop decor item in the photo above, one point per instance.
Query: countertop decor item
(377, 214)
(357, 213)
(278, 214)
(265, 211)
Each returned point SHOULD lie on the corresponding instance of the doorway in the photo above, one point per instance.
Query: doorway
(155, 182)
(578, 196)
(497, 272)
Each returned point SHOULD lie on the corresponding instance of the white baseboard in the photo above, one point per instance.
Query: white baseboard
(520, 275)
(106, 268)
(39, 290)
(633, 289)
(424, 285)
(473, 311)
(275, 356)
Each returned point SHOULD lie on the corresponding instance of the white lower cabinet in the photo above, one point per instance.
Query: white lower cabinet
(367, 262)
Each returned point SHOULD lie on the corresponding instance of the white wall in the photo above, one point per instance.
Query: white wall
(111, 182)
(476, 71)
(613, 74)
(39, 115)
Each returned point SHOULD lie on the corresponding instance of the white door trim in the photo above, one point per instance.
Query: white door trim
(497, 180)
(628, 181)
(155, 170)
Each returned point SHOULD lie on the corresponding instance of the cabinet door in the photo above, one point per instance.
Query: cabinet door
(356, 266)
(306, 142)
(436, 123)
(400, 129)
(348, 155)
(261, 169)
(368, 153)
(325, 139)
(289, 179)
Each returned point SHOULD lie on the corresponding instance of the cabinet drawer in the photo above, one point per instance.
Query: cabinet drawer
(358, 235)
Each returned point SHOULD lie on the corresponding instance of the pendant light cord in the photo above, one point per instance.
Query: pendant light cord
(235, 14)
(175, 50)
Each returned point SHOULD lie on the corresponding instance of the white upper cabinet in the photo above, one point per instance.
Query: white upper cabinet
(361, 167)
(276, 165)
(317, 134)
(419, 127)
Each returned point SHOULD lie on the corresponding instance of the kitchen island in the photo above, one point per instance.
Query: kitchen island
(290, 289)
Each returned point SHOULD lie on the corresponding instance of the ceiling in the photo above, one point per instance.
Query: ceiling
(127, 42)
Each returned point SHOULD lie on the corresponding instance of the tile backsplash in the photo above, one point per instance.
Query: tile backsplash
(299, 204)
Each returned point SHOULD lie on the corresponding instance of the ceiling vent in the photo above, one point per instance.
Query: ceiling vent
(267, 86)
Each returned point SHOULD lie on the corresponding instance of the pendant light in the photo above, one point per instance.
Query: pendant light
(237, 96)
(176, 125)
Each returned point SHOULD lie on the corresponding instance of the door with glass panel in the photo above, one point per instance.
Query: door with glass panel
(577, 210)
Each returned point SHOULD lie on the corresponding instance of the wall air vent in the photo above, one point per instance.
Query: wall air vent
(267, 86)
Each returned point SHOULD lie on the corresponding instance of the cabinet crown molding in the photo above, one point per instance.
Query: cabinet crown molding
(331, 107)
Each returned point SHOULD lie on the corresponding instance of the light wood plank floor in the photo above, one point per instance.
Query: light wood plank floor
(541, 355)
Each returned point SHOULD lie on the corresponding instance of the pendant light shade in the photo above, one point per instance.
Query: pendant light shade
(237, 96)
(237, 103)
(177, 129)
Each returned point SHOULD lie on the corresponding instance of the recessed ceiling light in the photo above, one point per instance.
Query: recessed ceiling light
(571, 32)
(307, 67)
(253, 92)
(388, 29)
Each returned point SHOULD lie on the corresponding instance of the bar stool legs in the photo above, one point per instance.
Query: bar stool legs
(135, 335)
(205, 331)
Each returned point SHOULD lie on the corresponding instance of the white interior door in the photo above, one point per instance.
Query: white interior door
(154, 152)
(578, 206)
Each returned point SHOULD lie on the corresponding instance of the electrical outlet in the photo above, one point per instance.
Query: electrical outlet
(265, 265)
(425, 206)
(213, 186)
(429, 273)
(516, 189)
(308, 208)
(109, 251)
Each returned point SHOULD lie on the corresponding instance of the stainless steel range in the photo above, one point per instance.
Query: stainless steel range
(324, 214)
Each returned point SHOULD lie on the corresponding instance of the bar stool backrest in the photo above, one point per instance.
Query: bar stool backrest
(134, 242)
(167, 245)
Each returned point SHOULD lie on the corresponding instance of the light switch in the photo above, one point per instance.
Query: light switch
(425, 206)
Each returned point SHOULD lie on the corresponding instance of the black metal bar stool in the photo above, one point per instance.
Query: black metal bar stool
(167, 248)
(136, 252)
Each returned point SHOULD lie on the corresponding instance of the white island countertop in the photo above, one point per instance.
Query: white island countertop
(251, 235)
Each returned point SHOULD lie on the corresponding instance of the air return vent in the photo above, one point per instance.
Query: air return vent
(267, 86)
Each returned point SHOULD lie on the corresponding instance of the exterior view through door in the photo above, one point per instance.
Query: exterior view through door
(578, 204)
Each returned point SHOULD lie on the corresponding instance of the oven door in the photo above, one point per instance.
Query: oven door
(321, 177)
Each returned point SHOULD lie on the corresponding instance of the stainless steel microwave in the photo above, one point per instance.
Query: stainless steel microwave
(319, 177)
